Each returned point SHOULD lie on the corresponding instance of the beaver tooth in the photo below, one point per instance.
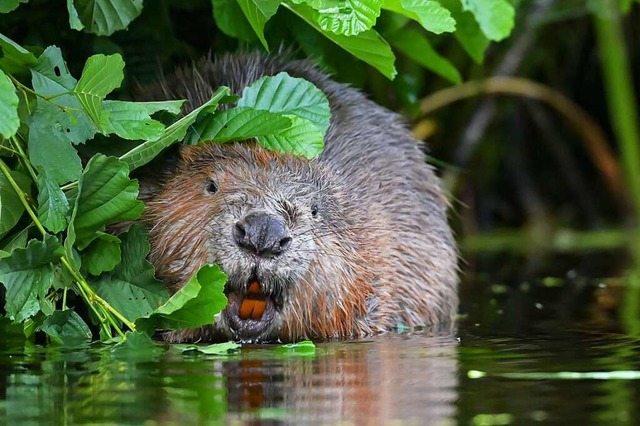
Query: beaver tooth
(258, 309)
(254, 287)
(253, 308)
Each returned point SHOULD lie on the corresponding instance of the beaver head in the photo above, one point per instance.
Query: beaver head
(279, 226)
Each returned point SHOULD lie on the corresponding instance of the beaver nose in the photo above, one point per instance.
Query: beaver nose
(262, 234)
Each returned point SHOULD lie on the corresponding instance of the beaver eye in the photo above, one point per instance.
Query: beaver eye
(314, 210)
(212, 188)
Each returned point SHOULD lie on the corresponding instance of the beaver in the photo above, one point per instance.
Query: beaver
(352, 243)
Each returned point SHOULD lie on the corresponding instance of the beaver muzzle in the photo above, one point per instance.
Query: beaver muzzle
(250, 313)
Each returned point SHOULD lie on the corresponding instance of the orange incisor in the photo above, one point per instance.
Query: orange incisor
(253, 304)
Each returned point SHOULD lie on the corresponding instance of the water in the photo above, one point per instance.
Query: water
(504, 365)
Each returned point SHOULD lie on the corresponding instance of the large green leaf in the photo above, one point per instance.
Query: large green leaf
(468, 32)
(132, 120)
(429, 13)
(147, 151)
(258, 12)
(53, 206)
(345, 17)
(367, 46)
(132, 288)
(415, 45)
(14, 59)
(101, 74)
(236, 124)
(27, 275)
(8, 107)
(288, 95)
(50, 77)
(66, 328)
(106, 194)
(231, 20)
(194, 305)
(301, 138)
(104, 17)
(496, 17)
(11, 207)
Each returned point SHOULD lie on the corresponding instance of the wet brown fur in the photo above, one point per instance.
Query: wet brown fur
(379, 254)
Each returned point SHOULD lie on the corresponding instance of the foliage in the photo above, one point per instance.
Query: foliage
(58, 258)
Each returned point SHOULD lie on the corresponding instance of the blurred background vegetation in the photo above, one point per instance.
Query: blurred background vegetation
(538, 145)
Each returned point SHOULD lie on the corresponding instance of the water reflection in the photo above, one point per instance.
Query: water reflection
(393, 377)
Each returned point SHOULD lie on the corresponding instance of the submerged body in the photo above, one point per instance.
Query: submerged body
(349, 244)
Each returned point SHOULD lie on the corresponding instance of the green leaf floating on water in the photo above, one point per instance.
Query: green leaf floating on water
(303, 348)
(8, 107)
(103, 17)
(106, 195)
(131, 287)
(195, 304)
(288, 95)
(66, 328)
(214, 349)
(147, 151)
(27, 275)
(100, 76)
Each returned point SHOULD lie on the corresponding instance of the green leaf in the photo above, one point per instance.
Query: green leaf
(468, 32)
(132, 120)
(50, 149)
(346, 17)
(102, 255)
(11, 207)
(258, 12)
(50, 77)
(194, 305)
(303, 348)
(415, 45)
(106, 195)
(8, 107)
(147, 151)
(214, 349)
(27, 275)
(14, 59)
(101, 74)
(231, 20)
(367, 46)
(430, 14)
(132, 288)
(302, 138)
(74, 19)
(53, 206)
(236, 124)
(104, 17)
(285, 94)
(7, 6)
(496, 17)
(66, 328)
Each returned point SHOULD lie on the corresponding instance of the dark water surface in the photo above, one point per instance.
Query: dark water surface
(513, 360)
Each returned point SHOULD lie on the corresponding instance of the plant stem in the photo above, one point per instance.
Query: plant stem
(86, 291)
(623, 110)
(25, 160)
